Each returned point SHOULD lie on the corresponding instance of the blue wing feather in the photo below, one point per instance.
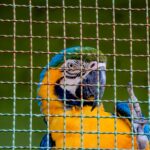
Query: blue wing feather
(123, 109)
(47, 142)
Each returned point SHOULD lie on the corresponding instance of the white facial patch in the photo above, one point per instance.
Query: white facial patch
(72, 73)
(70, 84)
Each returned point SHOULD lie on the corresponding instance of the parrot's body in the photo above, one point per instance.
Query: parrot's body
(76, 123)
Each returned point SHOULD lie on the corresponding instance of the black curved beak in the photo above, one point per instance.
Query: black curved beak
(100, 93)
(93, 85)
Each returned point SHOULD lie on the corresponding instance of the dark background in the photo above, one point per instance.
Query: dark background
(127, 42)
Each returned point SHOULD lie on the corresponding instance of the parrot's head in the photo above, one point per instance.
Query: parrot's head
(82, 75)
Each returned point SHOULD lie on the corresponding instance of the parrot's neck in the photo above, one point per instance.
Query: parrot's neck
(71, 99)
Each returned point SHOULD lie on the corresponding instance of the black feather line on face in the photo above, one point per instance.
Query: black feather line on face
(71, 100)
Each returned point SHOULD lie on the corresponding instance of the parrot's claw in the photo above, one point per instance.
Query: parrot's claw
(138, 120)
(144, 121)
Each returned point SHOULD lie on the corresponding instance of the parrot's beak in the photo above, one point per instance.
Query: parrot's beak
(102, 81)
(93, 86)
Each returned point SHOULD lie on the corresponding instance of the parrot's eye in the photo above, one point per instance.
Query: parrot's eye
(70, 65)
(73, 67)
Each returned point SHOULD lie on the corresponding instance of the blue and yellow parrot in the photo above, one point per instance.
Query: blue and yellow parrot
(69, 95)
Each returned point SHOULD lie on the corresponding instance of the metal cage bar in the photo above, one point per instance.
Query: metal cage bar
(14, 75)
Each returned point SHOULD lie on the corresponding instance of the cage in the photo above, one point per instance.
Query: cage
(32, 32)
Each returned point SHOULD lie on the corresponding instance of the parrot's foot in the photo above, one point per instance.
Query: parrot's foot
(137, 118)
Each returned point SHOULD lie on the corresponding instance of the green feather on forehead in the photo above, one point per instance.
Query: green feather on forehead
(87, 54)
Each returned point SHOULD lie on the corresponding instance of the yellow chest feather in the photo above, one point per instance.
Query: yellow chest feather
(81, 127)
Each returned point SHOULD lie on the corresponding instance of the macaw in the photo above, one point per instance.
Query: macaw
(69, 95)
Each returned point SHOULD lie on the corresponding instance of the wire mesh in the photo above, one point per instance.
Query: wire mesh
(31, 32)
